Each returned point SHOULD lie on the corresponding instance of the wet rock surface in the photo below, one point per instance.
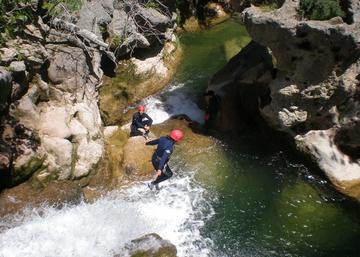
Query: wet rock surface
(151, 245)
(50, 78)
(28, 196)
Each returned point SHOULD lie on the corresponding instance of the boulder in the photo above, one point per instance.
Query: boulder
(343, 171)
(88, 154)
(137, 158)
(68, 67)
(314, 94)
(60, 156)
(150, 245)
(95, 14)
(324, 73)
(7, 55)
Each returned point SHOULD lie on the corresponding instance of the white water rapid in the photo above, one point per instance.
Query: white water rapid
(172, 102)
(101, 229)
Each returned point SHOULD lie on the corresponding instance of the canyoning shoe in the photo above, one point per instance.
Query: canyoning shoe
(157, 187)
(151, 186)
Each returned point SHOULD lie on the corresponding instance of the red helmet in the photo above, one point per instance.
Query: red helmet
(177, 135)
(141, 108)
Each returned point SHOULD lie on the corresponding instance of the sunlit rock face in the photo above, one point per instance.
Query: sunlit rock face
(308, 88)
(315, 93)
(50, 127)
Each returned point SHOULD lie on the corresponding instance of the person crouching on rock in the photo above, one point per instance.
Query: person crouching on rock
(141, 123)
(162, 155)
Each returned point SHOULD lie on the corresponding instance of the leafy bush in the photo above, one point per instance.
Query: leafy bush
(57, 7)
(321, 9)
(13, 15)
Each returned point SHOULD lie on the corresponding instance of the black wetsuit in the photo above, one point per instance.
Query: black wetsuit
(139, 121)
(161, 157)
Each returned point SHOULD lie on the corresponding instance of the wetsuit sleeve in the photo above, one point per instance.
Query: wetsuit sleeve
(164, 158)
(150, 119)
(153, 142)
(136, 121)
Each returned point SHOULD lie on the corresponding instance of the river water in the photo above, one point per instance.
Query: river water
(243, 197)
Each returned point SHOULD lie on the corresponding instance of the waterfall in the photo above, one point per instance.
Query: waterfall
(176, 213)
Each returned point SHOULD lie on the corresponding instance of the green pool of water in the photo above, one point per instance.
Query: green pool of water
(266, 202)
(207, 51)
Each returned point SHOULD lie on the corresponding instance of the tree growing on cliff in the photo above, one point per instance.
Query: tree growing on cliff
(321, 9)
(15, 14)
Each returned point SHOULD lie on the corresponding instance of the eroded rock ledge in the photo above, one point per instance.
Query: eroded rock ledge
(315, 93)
(50, 123)
(300, 77)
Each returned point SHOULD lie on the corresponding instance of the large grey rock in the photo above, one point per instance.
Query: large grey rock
(65, 115)
(7, 54)
(60, 156)
(95, 14)
(324, 73)
(68, 67)
(342, 170)
(316, 85)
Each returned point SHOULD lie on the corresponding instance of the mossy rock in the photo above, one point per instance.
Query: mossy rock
(25, 195)
(29, 165)
(151, 245)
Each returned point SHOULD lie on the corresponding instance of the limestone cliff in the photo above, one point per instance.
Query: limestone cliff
(50, 74)
(314, 92)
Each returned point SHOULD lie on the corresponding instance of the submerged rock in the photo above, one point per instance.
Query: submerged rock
(151, 245)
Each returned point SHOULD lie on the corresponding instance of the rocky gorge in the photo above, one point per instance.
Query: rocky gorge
(67, 86)
(307, 87)
(52, 132)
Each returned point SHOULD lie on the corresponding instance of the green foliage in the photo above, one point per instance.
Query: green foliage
(57, 7)
(152, 4)
(269, 7)
(14, 14)
(321, 9)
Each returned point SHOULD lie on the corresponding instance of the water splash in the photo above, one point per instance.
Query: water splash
(177, 212)
(172, 102)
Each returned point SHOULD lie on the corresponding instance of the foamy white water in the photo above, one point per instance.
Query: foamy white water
(100, 229)
(170, 102)
(176, 213)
